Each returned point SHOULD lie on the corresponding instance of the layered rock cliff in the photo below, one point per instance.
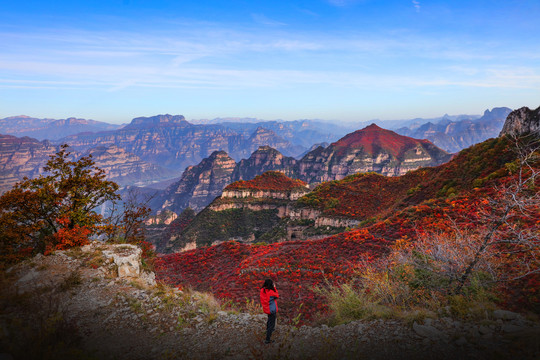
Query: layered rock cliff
(22, 157)
(522, 121)
(202, 183)
(126, 168)
(371, 149)
(246, 211)
(26, 157)
(173, 142)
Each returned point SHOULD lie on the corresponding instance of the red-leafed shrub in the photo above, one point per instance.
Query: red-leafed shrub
(432, 210)
(270, 180)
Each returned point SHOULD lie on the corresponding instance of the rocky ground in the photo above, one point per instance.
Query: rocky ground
(98, 302)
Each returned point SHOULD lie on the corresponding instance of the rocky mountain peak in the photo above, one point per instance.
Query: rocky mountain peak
(158, 120)
(522, 121)
(373, 138)
(219, 154)
(262, 133)
(496, 114)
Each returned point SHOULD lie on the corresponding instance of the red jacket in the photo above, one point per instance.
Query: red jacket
(268, 300)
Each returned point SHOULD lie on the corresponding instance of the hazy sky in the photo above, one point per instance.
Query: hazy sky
(328, 59)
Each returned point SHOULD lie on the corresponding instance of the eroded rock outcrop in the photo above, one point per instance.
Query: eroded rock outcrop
(128, 169)
(22, 157)
(522, 121)
(371, 149)
(202, 183)
(246, 211)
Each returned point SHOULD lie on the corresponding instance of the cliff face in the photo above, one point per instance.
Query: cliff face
(202, 183)
(264, 159)
(371, 149)
(522, 121)
(167, 140)
(247, 211)
(454, 136)
(20, 157)
(126, 168)
(173, 142)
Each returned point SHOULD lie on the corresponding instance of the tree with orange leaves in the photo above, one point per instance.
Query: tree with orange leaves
(56, 210)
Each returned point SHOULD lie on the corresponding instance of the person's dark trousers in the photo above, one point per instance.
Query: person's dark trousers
(270, 325)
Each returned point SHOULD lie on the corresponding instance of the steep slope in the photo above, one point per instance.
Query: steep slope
(246, 211)
(173, 142)
(127, 169)
(455, 135)
(429, 200)
(370, 149)
(199, 184)
(20, 157)
(202, 183)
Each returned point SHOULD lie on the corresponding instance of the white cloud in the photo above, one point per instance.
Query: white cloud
(416, 5)
(263, 20)
(199, 57)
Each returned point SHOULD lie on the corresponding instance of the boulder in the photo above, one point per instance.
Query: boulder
(522, 121)
(505, 315)
(428, 331)
(127, 257)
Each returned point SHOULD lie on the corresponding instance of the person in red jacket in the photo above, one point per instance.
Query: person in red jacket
(269, 295)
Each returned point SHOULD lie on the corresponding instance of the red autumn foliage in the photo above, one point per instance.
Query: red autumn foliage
(67, 237)
(373, 138)
(236, 271)
(270, 180)
(454, 193)
(363, 196)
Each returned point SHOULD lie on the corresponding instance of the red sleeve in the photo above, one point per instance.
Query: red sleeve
(273, 293)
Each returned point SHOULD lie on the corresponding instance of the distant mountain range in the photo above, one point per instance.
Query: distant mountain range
(371, 149)
(275, 208)
(174, 143)
(454, 135)
(159, 148)
(25, 157)
(51, 129)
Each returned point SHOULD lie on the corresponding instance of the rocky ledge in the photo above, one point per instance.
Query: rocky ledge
(522, 121)
(93, 303)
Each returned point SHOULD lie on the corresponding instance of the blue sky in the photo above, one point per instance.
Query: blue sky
(344, 60)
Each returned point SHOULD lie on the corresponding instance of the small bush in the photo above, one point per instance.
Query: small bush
(347, 303)
(72, 280)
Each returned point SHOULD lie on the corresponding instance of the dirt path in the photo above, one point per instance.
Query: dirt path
(73, 305)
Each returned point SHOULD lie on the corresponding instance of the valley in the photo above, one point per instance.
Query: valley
(375, 239)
